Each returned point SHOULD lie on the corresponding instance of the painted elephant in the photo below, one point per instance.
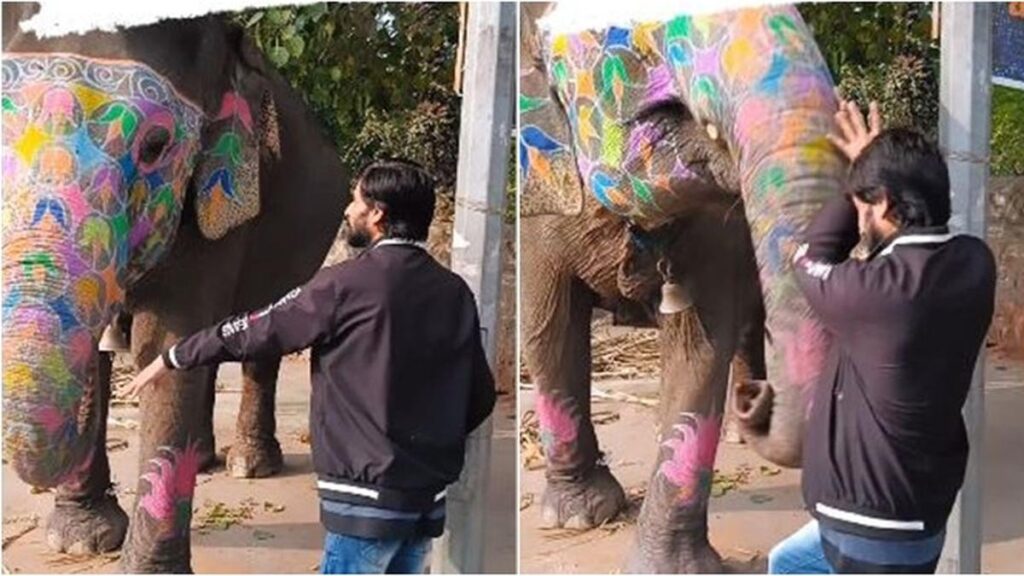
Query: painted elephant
(683, 151)
(167, 171)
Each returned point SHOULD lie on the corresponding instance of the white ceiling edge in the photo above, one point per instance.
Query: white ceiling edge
(62, 17)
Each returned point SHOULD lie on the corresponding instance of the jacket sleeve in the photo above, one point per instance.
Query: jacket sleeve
(296, 321)
(481, 395)
(836, 287)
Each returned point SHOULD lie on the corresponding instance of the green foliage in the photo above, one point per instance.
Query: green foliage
(1007, 131)
(883, 51)
(906, 89)
(869, 33)
(427, 133)
(378, 76)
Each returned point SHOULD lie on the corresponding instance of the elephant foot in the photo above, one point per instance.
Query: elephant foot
(86, 527)
(582, 505)
(132, 564)
(699, 558)
(255, 459)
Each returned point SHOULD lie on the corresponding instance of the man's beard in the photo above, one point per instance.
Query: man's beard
(872, 237)
(357, 236)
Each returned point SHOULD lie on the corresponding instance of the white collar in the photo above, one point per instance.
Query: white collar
(401, 242)
(917, 239)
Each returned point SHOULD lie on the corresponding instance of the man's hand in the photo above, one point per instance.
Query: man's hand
(854, 136)
(149, 374)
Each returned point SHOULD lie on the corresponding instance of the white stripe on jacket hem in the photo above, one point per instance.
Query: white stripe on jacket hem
(854, 518)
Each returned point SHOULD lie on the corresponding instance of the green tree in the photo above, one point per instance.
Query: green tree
(884, 51)
(378, 76)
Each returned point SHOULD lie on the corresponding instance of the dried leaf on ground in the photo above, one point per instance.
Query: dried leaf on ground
(221, 516)
(722, 483)
(525, 501)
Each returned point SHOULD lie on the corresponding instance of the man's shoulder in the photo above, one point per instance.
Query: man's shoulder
(977, 250)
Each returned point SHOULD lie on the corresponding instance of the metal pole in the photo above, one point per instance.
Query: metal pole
(484, 139)
(964, 132)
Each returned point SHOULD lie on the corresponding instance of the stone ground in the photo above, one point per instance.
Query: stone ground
(760, 504)
(282, 533)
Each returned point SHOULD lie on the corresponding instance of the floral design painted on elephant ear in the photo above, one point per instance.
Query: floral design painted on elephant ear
(690, 468)
(228, 174)
(172, 481)
(97, 155)
(558, 424)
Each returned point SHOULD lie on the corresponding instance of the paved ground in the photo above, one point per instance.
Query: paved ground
(746, 521)
(283, 534)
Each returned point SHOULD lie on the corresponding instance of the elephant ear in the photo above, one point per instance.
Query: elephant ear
(242, 130)
(548, 171)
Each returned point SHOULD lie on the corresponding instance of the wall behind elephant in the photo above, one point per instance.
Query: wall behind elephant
(1006, 238)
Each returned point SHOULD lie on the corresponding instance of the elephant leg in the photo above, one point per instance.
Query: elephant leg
(672, 530)
(169, 458)
(256, 452)
(86, 518)
(581, 492)
(207, 444)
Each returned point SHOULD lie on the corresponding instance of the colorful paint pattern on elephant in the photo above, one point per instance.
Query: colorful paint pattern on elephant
(617, 84)
(690, 466)
(97, 156)
(558, 424)
(172, 482)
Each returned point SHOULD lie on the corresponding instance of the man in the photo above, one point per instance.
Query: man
(886, 447)
(399, 376)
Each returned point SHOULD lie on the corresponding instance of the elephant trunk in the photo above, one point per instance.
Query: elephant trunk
(788, 170)
(50, 330)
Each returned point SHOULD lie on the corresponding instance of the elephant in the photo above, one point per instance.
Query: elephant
(165, 171)
(686, 152)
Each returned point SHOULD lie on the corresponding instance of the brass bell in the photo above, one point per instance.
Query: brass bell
(113, 339)
(675, 297)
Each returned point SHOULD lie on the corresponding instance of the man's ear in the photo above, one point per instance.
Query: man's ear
(884, 207)
(376, 216)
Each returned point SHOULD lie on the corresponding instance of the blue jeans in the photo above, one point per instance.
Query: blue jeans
(804, 553)
(353, 555)
(801, 553)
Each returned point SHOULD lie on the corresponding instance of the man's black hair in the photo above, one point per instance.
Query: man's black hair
(405, 192)
(903, 164)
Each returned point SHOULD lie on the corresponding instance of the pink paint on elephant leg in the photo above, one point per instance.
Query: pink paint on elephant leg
(558, 425)
(172, 482)
(691, 466)
(805, 354)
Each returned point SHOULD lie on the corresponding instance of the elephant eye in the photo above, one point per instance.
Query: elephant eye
(154, 143)
(664, 116)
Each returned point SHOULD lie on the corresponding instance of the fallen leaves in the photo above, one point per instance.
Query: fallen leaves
(723, 482)
(221, 516)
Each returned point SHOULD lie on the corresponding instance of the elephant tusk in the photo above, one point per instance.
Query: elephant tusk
(712, 131)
